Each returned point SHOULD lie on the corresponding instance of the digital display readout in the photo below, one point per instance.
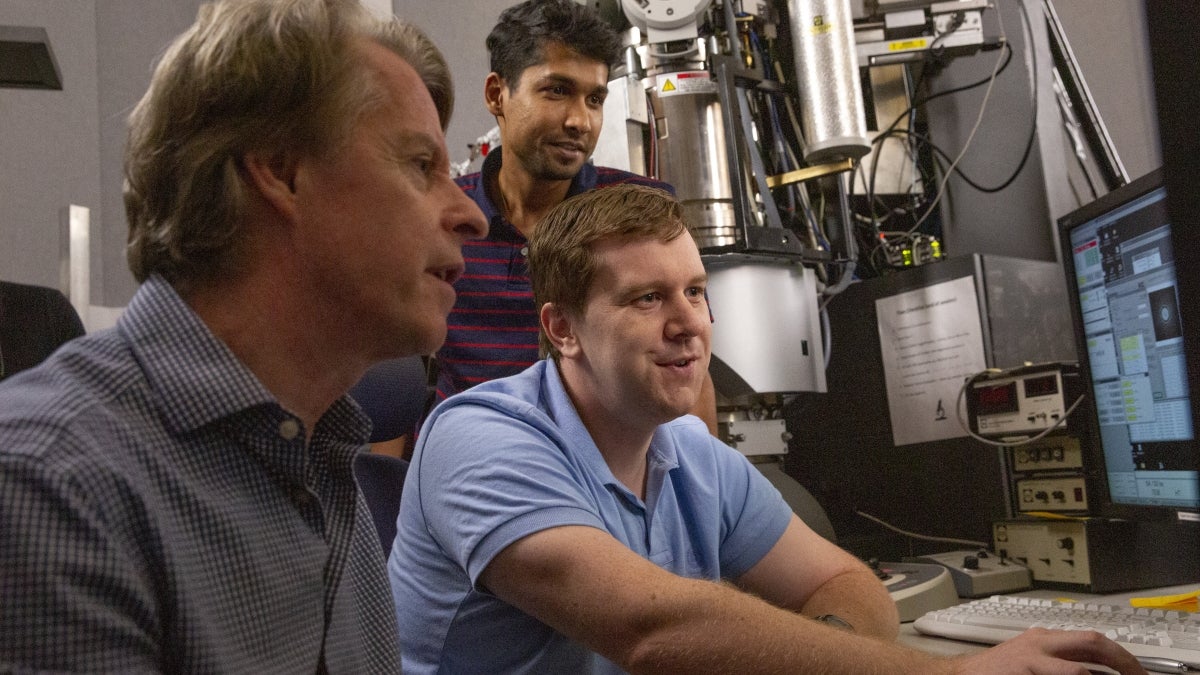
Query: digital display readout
(996, 399)
(1041, 386)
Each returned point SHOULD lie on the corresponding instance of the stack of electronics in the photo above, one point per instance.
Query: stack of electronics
(1119, 475)
(1135, 469)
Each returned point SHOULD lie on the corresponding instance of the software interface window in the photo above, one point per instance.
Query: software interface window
(1129, 303)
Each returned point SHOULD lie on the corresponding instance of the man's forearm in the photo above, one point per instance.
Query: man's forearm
(858, 598)
(731, 631)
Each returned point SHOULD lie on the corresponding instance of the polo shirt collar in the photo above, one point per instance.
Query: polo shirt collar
(489, 173)
(662, 456)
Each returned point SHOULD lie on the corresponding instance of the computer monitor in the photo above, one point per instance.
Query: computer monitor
(1118, 255)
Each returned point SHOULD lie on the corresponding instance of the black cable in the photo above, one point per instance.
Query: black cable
(912, 108)
(1007, 59)
(1024, 158)
(1032, 125)
(956, 22)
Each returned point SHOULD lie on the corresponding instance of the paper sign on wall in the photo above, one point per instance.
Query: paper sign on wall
(931, 340)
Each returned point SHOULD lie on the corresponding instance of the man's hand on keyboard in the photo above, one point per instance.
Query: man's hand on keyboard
(1052, 652)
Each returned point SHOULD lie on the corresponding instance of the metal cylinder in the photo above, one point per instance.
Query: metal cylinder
(831, 102)
(692, 153)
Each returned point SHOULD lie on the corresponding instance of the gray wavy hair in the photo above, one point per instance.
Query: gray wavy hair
(249, 76)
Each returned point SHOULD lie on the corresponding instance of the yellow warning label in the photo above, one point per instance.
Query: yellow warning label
(685, 83)
(903, 45)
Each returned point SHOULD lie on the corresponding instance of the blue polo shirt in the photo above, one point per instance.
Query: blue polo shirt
(510, 458)
(493, 328)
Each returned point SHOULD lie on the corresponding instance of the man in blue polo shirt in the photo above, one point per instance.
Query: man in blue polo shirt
(550, 62)
(573, 519)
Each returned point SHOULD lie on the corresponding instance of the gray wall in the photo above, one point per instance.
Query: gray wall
(459, 32)
(58, 148)
(130, 36)
(64, 147)
(49, 142)
(1109, 39)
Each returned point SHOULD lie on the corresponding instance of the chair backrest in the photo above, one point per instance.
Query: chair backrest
(800, 499)
(381, 479)
(34, 321)
(394, 394)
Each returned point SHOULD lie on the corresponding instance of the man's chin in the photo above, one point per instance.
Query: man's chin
(681, 406)
(424, 342)
(558, 171)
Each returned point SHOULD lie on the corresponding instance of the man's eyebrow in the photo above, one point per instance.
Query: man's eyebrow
(415, 142)
(555, 78)
(651, 285)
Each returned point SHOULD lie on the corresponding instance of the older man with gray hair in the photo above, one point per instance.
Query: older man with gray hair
(176, 494)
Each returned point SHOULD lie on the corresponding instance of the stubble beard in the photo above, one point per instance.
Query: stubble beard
(541, 167)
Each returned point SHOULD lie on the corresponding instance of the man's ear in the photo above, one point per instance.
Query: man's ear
(495, 92)
(559, 329)
(273, 177)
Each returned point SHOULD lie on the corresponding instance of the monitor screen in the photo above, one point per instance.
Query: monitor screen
(1128, 317)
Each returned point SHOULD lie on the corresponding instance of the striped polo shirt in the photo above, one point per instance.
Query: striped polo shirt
(493, 328)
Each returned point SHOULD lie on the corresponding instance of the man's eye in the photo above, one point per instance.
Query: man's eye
(596, 100)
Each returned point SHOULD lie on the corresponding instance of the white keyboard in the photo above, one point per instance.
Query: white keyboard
(1146, 633)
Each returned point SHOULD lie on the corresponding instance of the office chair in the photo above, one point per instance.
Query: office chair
(800, 499)
(394, 394)
(381, 479)
(34, 322)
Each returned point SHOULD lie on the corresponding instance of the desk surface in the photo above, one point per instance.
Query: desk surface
(944, 647)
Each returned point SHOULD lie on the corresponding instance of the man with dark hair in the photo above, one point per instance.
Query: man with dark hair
(550, 62)
(176, 493)
(572, 518)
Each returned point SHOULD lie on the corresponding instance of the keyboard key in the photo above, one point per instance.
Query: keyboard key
(1164, 634)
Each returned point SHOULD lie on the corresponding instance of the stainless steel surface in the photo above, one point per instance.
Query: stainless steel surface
(831, 102)
(766, 333)
(891, 162)
(626, 118)
(692, 154)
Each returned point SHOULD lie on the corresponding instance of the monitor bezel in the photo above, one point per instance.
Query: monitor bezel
(1100, 500)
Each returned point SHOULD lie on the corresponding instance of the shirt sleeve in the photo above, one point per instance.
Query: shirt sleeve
(754, 514)
(477, 502)
(72, 597)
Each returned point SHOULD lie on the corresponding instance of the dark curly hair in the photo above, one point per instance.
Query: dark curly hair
(523, 31)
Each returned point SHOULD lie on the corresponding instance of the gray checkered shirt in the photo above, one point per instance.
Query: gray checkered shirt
(159, 512)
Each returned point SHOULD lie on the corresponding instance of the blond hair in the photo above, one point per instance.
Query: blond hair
(262, 76)
(562, 259)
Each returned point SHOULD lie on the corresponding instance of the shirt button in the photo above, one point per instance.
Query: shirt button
(524, 250)
(289, 429)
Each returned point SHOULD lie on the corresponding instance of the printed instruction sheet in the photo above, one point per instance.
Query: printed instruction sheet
(932, 340)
